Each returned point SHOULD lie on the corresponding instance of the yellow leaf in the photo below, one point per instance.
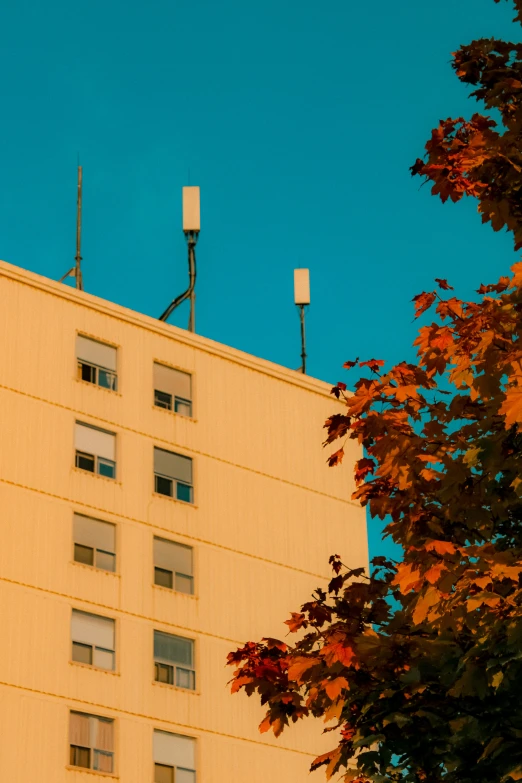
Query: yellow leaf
(506, 571)
(490, 599)
(424, 604)
(471, 456)
(331, 766)
(299, 666)
(517, 274)
(334, 710)
(334, 687)
(511, 408)
(517, 485)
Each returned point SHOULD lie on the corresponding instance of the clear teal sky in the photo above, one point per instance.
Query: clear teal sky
(298, 120)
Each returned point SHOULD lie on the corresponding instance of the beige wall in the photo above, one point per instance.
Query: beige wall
(267, 515)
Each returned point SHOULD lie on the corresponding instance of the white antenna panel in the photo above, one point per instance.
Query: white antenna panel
(191, 211)
(302, 286)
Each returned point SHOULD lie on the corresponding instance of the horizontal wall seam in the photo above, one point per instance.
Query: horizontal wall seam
(72, 701)
(105, 308)
(76, 504)
(117, 611)
(155, 439)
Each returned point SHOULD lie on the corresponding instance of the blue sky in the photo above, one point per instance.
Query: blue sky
(298, 120)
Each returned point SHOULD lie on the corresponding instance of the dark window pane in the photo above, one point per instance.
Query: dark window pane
(107, 379)
(85, 461)
(164, 673)
(80, 757)
(87, 372)
(184, 584)
(105, 560)
(163, 577)
(163, 774)
(106, 467)
(185, 678)
(84, 554)
(82, 653)
(183, 407)
(163, 485)
(184, 492)
(162, 400)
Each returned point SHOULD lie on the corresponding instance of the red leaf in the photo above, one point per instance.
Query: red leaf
(423, 302)
(296, 622)
(373, 364)
(441, 547)
(336, 458)
(443, 284)
(349, 365)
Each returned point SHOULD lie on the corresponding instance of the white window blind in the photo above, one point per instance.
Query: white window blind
(174, 382)
(173, 557)
(92, 440)
(92, 629)
(94, 533)
(93, 352)
(174, 750)
(173, 649)
(175, 466)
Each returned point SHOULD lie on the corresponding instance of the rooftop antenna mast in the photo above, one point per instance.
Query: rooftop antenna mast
(191, 228)
(302, 300)
(76, 270)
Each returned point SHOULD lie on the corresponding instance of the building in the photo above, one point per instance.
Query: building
(163, 499)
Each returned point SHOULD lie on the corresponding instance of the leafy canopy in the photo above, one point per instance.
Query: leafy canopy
(417, 669)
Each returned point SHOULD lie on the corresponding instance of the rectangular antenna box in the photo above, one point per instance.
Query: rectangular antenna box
(302, 286)
(191, 216)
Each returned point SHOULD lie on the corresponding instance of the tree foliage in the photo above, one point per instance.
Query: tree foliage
(417, 669)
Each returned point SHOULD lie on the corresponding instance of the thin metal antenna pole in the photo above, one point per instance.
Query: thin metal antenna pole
(192, 273)
(303, 338)
(78, 257)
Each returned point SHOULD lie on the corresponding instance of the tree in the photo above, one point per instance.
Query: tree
(417, 668)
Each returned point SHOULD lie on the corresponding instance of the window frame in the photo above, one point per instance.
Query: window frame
(174, 398)
(94, 647)
(177, 767)
(91, 750)
(95, 550)
(173, 665)
(175, 574)
(97, 367)
(96, 462)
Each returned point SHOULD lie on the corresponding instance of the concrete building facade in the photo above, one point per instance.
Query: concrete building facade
(163, 500)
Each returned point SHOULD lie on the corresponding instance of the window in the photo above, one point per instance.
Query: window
(91, 741)
(173, 566)
(172, 389)
(96, 362)
(94, 542)
(95, 450)
(174, 660)
(174, 758)
(173, 475)
(92, 640)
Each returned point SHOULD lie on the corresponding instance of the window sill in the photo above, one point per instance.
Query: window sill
(176, 688)
(171, 500)
(171, 590)
(111, 775)
(97, 386)
(171, 413)
(114, 482)
(94, 669)
(94, 568)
